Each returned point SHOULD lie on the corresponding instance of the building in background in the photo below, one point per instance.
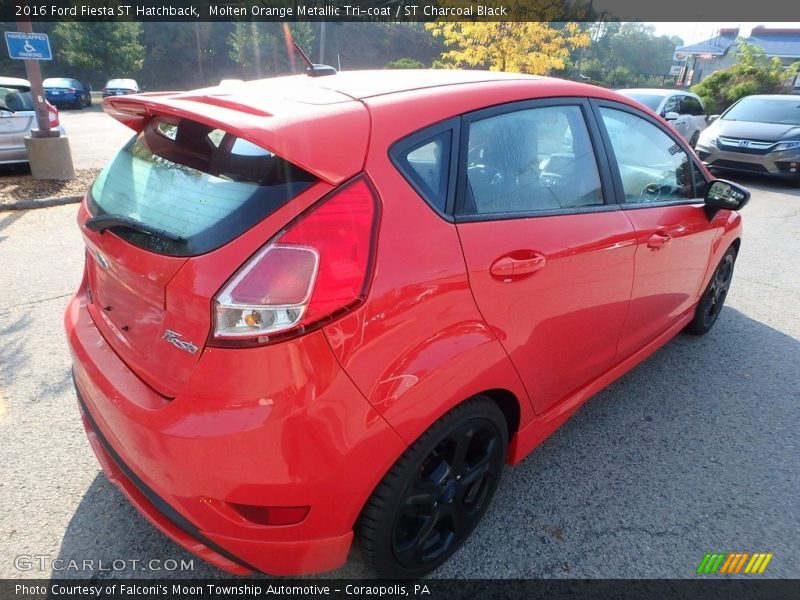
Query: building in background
(704, 58)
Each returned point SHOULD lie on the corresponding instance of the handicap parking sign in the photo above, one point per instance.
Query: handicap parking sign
(28, 46)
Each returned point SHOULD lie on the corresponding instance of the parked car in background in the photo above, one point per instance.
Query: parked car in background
(65, 91)
(684, 110)
(271, 362)
(120, 87)
(758, 134)
(17, 118)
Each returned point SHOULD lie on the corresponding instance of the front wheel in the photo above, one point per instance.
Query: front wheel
(436, 493)
(713, 299)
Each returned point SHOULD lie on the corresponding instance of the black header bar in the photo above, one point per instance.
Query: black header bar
(399, 10)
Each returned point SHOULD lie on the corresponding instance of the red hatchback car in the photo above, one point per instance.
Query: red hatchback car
(323, 308)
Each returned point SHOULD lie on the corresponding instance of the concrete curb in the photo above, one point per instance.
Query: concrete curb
(43, 203)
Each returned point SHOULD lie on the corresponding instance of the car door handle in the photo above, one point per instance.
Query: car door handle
(517, 265)
(658, 240)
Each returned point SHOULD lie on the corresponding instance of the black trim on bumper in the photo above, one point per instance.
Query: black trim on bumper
(165, 509)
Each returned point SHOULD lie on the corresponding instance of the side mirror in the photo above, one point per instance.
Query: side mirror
(723, 194)
(671, 116)
(712, 118)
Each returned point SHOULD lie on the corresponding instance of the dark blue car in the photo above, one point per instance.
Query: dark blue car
(64, 91)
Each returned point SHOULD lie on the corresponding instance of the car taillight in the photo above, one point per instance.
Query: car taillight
(71, 90)
(315, 270)
(52, 115)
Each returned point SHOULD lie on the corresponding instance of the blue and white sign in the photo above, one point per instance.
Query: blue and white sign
(28, 46)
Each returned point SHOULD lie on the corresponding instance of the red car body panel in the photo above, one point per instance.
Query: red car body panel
(203, 443)
(560, 325)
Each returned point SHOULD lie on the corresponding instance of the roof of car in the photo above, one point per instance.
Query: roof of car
(366, 84)
(656, 91)
(275, 112)
(358, 85)
(14, 81)
(786, 97)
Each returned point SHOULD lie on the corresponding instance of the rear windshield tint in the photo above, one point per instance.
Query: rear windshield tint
(121, 83)
(197, 183)
(58, 82)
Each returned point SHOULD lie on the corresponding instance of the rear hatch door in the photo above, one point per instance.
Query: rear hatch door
(190, 198)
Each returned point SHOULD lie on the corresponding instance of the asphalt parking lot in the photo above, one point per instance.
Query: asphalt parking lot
(697, 450)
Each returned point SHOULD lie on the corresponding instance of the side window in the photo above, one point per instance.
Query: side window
(672, 105)
(530, 160)
(690, 106)
(653, 167)
(427, 166)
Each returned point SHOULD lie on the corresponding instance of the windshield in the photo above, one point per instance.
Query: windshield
(765, 110)
(16, 98)
(649, 100)
(200, 185)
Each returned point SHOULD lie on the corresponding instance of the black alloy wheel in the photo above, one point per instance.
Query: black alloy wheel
(434, 496)
(713, 299)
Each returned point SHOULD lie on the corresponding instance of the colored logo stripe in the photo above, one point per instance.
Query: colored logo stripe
(734, 563)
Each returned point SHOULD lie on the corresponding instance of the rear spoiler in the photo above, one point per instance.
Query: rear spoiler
(328, 140)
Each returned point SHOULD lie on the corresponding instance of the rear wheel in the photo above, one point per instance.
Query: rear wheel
(436, 493)
(713, 299)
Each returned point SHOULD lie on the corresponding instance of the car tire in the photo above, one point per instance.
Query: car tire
(436, 493)
(713, 298)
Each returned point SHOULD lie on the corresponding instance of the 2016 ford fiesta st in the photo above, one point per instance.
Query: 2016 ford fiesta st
(325, 309)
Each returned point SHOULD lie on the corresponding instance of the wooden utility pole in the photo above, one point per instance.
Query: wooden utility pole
(34, 72)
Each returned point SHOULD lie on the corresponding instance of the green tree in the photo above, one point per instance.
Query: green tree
(265, 48)
(753, 73)
(404, 63)
(629, 49)
(99, 50)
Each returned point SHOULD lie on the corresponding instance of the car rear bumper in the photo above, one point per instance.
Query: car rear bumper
(15, 154)
(188, 466)
(777, 164)
(65, 99)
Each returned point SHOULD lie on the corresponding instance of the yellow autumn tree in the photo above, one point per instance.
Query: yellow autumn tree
(531, 47)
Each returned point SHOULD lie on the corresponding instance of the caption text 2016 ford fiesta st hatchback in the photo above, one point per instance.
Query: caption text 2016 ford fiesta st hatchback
(319, 309)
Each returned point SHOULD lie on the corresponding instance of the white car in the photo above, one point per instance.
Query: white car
(684, 110)
(17, 118)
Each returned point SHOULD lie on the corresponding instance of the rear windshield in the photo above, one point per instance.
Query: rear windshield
(649, 100)
(57, 82)
(13, 98)
(765, 110)
(123, 83)
(194, 182)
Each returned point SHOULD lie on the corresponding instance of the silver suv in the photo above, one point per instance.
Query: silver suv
(683, 110)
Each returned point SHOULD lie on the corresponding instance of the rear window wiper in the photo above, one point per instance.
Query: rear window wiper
(5, 108)
(102, 222)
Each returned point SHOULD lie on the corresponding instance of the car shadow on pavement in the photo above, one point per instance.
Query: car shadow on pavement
(691, 452)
